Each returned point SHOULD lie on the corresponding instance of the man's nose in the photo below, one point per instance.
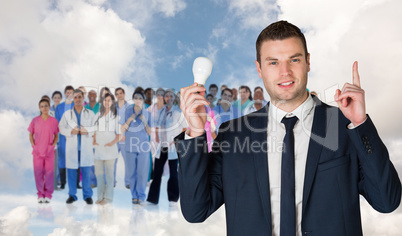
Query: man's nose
(285, 69)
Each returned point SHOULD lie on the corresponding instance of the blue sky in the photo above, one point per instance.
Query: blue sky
(46, 45)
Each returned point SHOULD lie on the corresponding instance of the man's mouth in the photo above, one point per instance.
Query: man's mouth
(287, 83)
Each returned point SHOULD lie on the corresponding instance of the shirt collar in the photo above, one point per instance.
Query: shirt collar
(301, 112)
(229, 109)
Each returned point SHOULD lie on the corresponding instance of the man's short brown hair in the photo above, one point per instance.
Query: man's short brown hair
(278, 31)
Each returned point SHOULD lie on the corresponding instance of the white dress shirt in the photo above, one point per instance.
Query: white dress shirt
(276, 133)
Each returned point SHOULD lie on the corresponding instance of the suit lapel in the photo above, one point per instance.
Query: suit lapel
(260, 123)
(317, 139)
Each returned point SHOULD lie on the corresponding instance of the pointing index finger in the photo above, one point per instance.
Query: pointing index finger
(356, 77)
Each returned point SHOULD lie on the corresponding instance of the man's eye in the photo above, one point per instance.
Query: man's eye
(273, 63)
(295, 60)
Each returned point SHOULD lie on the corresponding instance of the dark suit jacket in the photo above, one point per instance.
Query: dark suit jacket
(341, 164)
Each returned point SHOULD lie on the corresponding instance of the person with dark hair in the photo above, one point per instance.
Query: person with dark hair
(258, 88)
(210, 99)
(103, 92)
(149, 95)
(56, 98)
(77, 125)
(93, 105)
(170, 123)
(137, 129)
(225, 111)
(48, 98)
(121, 107)
(154, 110)
(301, 165)
(104, 140)
(82, 88)
(139, 89)
(257, 103)
(61, 145)
(213, 89)
(246, 98)
(234, 96)
(43, 136)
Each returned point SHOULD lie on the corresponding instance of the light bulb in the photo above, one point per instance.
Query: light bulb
(202, 68)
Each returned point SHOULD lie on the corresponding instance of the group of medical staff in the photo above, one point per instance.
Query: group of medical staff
(90, 135)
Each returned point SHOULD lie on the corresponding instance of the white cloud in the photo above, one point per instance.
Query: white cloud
(15, 222)
(141, 12)
(362, 30)
(75, 43)
(169, 7)
(255, 14)
(147, 220)
(15, 149)
(189, 51)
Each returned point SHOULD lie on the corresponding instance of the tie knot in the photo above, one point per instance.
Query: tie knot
(289, 122)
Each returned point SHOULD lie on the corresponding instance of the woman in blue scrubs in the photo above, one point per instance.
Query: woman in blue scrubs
(137, 130)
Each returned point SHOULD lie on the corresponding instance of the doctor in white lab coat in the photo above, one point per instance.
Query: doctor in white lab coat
(77, 126)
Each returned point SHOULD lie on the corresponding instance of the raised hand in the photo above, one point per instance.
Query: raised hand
(351, 99)
(192, 104)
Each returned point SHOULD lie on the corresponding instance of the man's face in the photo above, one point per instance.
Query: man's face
(226, 96)
(120, 95)
(210, 99)
(69, 94)
(258, 96)
(149, 95)
(284, 69)
(213, 91)
(78, 99)
(92, 96)
(234, 96)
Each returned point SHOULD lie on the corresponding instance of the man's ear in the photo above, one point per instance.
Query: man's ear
(308, 62)
(257, 64)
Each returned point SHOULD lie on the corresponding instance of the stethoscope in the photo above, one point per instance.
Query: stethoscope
(84, 110)
(165, 113)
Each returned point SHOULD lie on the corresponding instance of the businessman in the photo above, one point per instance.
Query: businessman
(296, 166)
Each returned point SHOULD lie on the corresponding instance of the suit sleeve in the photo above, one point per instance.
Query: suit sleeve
(379, 182)
(200, 177)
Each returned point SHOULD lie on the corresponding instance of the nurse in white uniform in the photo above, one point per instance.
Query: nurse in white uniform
(104, 140)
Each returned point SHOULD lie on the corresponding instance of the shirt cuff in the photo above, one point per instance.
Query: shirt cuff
(187, 136)
(351, 126)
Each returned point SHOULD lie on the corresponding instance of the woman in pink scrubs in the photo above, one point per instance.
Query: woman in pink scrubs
(43, 137)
